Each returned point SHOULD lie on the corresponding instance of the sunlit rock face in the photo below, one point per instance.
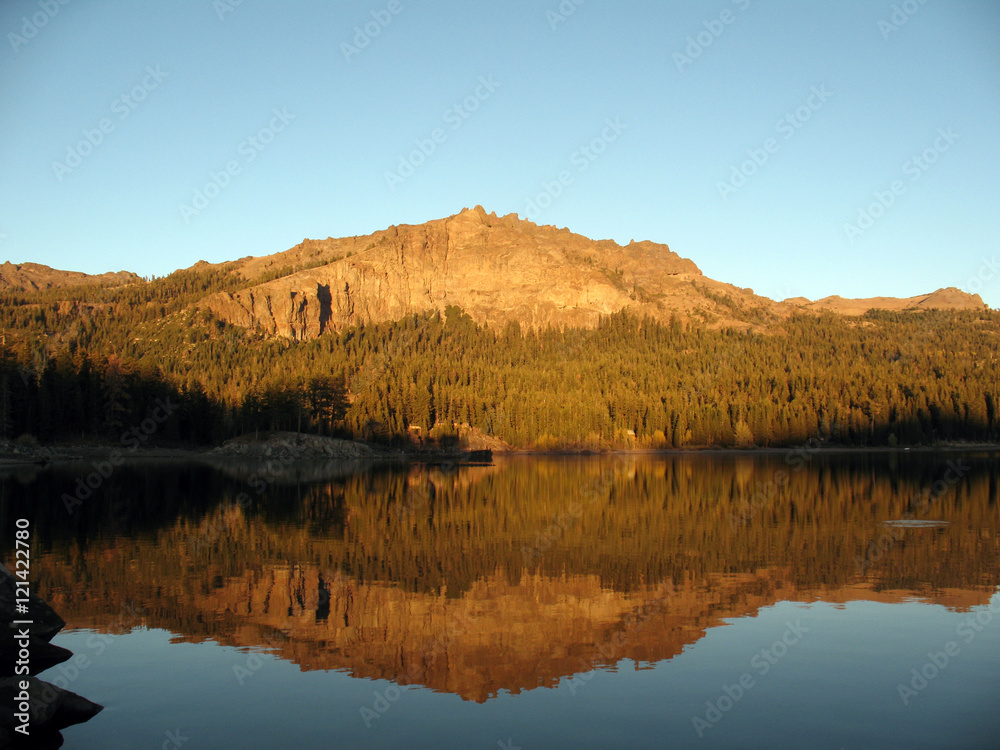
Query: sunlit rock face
(497, 269)
(501, 270)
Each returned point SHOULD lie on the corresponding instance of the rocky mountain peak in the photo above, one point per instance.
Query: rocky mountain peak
(498, 269)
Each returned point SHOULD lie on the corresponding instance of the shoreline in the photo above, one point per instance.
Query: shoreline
(61, 454)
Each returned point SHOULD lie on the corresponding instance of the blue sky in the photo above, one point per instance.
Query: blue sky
(749, 136)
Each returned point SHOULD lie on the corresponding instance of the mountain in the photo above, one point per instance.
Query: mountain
(529, 334)
(943, 299)
(28, 277)
(498, 270)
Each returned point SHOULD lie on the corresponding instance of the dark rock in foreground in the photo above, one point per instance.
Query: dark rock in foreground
(44, 655)
(46, 623)
(48, 708)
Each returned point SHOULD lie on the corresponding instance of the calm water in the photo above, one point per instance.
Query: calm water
(784, 601)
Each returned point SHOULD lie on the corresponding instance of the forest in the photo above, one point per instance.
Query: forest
(88, 363)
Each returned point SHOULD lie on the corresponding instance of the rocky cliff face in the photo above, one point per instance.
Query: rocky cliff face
(497, 269)
(502, 269)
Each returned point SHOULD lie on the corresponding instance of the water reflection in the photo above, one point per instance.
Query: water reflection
(504, 578)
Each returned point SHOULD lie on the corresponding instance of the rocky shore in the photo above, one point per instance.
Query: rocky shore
(33, 711)
(275, 445)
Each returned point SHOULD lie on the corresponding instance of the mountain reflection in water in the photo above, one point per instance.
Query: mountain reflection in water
(510, 577)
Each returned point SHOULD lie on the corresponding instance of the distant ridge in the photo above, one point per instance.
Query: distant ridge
(27, 277)
(949, 298)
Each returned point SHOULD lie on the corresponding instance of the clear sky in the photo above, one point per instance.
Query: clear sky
(747, 135)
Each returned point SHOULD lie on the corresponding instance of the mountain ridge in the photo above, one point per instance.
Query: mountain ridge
(536, 275)
(27, 277)
(498, 269)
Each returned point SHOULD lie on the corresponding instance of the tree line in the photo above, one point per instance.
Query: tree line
(88, 362)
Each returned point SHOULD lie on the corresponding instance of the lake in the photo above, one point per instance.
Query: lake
(796, 599)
